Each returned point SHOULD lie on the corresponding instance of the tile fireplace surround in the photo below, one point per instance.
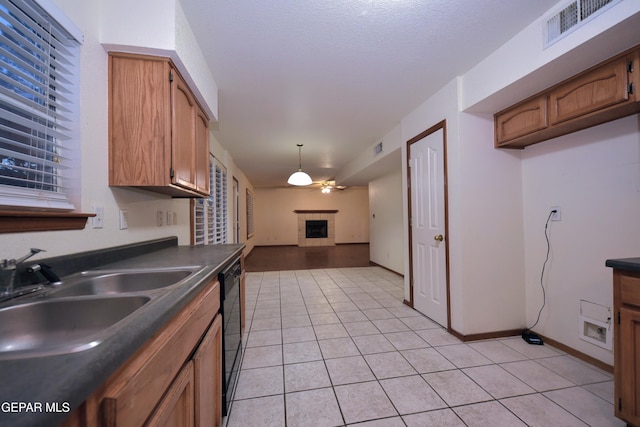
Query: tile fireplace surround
(309, 215)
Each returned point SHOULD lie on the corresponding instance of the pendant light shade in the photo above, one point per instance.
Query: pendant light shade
(299, 177)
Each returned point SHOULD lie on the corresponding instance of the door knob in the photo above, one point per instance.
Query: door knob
(438, 237)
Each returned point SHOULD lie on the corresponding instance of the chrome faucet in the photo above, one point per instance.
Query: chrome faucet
(7, 290)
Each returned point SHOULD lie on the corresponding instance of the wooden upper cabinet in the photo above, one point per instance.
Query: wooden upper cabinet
(158, 133)
(202, 151)
(605, 86)
(184, 126)
(603, 93)
(521, 120)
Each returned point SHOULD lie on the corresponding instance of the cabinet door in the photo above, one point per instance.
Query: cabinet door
(598, 89)
(183, 133)
(628, 369)
(521, 120)
(176, 408)
(208, 377)
(139, 122)
(202, 152)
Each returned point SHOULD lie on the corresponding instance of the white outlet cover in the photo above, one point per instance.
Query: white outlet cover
(124, 219)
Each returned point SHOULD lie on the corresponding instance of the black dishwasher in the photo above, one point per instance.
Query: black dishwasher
(232, 336)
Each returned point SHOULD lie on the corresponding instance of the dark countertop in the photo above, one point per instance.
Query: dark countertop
(629, 264)
(70, 378)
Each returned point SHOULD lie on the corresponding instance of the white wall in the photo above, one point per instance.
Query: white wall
(385, 222)
(594, 176)
(277, 224)
(159, 27)
(485, 240)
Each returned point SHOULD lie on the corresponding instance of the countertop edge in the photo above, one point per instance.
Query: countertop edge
(74, 377)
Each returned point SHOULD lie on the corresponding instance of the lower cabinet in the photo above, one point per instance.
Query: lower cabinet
(176, 407)
(626, 299)
(175, 379)
(207, 362)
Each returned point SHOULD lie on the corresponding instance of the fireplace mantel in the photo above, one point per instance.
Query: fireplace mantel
(312, 211)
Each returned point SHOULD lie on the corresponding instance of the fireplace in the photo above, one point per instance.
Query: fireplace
(316, 229)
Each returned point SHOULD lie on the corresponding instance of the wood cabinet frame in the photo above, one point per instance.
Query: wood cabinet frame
(605, 92)
(158, 133)
(626, 302)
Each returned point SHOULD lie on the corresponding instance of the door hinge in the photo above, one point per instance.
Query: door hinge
(620, 404)
(630, 89)
(618, 318)
(170, 75)
(171, 173)
(630, 67)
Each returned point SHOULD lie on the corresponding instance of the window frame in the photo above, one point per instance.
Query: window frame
(20, 210)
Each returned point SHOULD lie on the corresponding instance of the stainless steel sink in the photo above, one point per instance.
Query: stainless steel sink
(117, 282)
(61, 326)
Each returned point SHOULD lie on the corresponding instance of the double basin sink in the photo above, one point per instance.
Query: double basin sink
(81, 313)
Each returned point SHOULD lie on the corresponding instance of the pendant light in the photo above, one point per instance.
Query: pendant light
(299, 178)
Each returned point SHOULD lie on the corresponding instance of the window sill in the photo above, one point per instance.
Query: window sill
(23, 221)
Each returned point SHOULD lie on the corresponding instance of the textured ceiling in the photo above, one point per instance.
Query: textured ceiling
(336, 75)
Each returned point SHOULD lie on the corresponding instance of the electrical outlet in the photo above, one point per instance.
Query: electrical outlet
(159, 216)
(98, 220)
(170, 220)
(557, 215)
(124, 219)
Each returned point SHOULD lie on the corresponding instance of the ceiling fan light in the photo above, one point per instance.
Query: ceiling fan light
(299, 178)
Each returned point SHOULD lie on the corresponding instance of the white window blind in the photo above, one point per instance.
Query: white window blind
(210, 205)
(199, 224)
(250, 214)
(220, 203)
(38, 67)
(210, 214)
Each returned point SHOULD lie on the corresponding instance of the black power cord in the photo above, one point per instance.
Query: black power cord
(527, 335)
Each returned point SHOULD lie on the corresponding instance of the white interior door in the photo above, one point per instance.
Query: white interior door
(428, 239)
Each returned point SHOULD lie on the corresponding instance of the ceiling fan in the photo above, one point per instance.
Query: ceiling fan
(328, 186)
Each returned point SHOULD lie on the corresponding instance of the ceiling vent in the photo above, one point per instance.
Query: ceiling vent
(377, 149)
(572, 16)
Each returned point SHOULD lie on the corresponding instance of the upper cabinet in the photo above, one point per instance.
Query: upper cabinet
(603, 93)
(158, 134)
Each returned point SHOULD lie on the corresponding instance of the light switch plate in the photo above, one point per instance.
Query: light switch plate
(98, 220)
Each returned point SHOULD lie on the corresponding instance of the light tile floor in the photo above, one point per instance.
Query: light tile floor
(337, 347)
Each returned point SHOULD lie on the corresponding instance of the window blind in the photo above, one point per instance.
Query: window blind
(220, 203)
(38, 63)
(210, 214)
(199, 224)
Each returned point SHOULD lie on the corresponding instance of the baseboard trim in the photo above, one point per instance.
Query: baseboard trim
(577, 354)
(517, 332)
(407, 303)
(485, 335)
(385, 268)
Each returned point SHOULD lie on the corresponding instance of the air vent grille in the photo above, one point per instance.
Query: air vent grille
(572, 16)
(377, 149)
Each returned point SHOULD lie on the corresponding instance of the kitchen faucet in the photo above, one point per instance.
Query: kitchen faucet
(9, 268)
